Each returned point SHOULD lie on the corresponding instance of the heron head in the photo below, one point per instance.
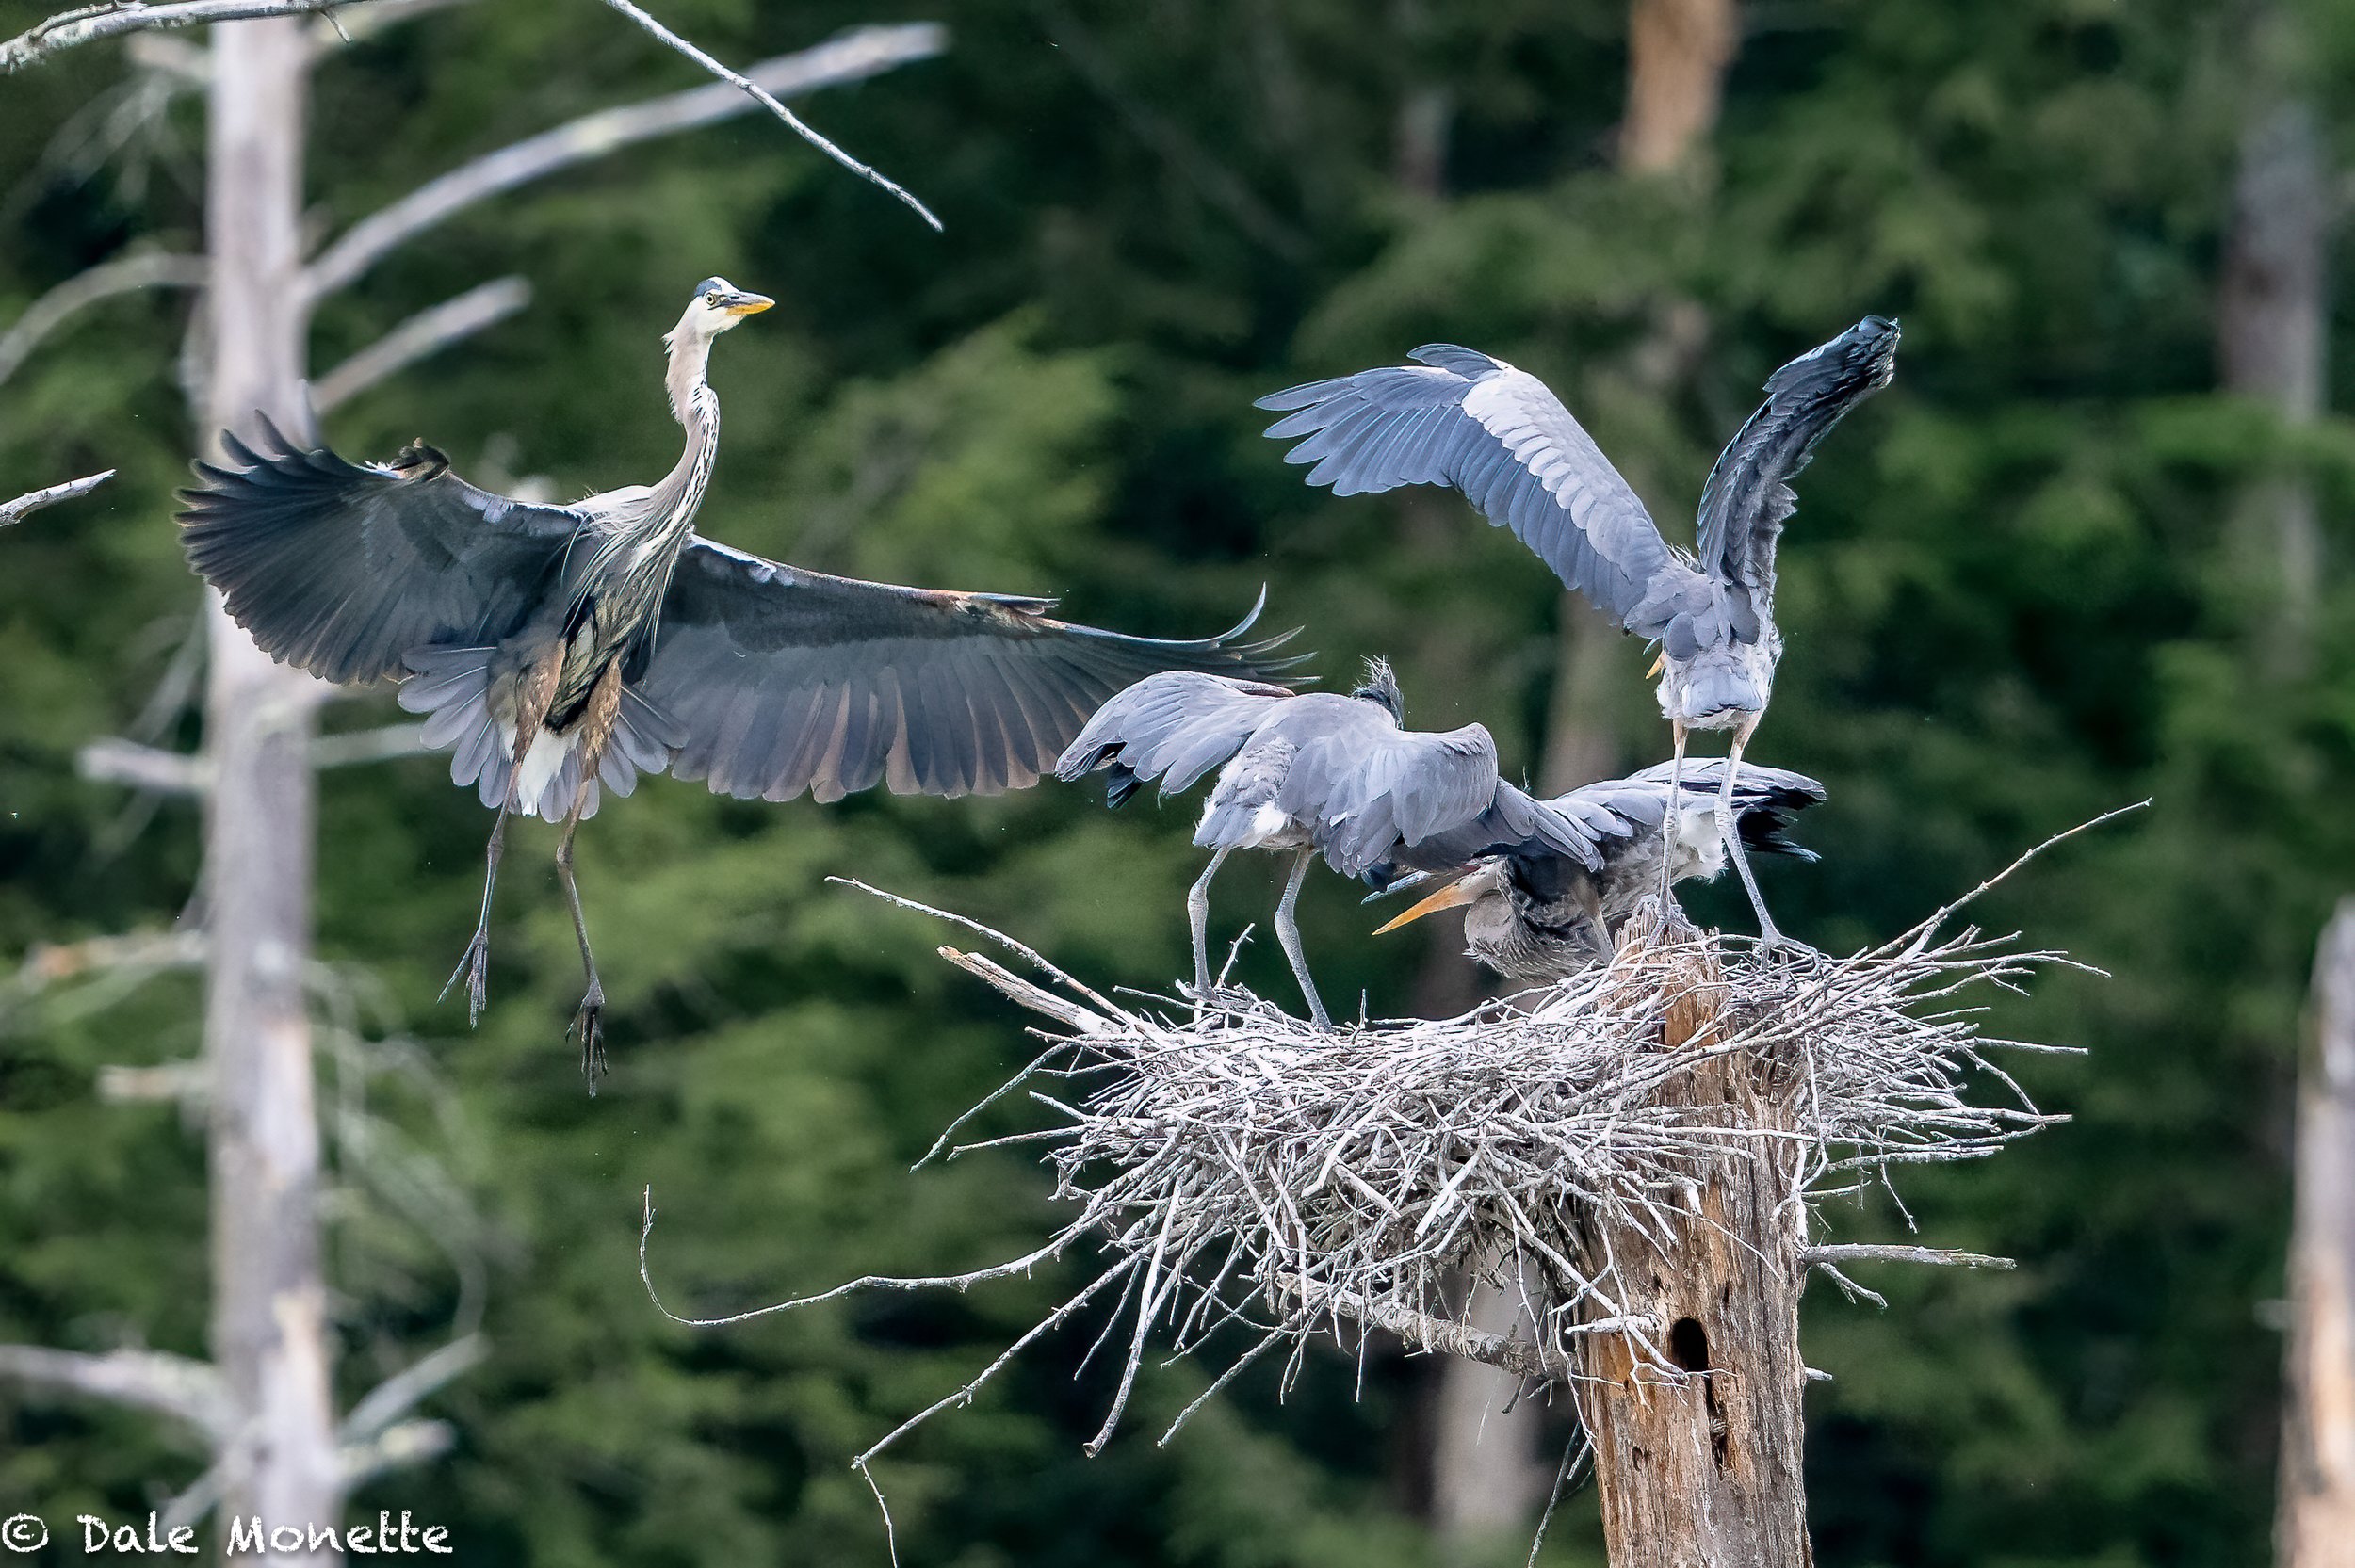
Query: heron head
(1381, 686)
(1486, 881)
(717, 306)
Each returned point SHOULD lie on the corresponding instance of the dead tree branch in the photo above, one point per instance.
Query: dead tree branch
(1834, 1254)
(89, 24)
(122, 275)
(112, 759)
(763, 97)
(26, 505)
(854, 56)
(188, 1391)
(425, 333)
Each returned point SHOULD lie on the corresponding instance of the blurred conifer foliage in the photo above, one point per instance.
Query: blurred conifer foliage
(2011, 594)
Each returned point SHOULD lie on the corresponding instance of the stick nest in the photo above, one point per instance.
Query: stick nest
(1237, 1175)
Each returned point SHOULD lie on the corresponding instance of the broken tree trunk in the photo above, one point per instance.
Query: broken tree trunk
(1698, 1463)
(270, 1304)
(2315, 1527)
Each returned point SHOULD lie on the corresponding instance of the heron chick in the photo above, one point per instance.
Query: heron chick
(1538, 916)
(1312, 773)
(1501, 436)
(560, 651)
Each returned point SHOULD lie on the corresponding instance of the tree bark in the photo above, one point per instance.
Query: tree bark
(269, 1330)
(2316, 1525)
(1698, 1463)
(2272, 312)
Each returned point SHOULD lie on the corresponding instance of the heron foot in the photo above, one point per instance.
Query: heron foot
(1775, 947)
(1208, 999)
(475, 968)
(591, 1031)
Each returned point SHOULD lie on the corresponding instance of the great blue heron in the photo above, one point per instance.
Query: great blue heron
(1537, 915)
(1308, 772)
(1503, 438)
(561, 649)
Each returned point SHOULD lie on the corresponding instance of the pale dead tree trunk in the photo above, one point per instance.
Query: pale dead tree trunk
(1701, 1469)
(2272, 321)
(1678, 51)
(2316, 1525)
(270, 1304)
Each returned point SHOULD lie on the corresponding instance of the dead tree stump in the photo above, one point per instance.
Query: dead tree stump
(1697, 1463)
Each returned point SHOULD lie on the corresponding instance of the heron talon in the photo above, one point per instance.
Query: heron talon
(475, 969)
(592, 1033)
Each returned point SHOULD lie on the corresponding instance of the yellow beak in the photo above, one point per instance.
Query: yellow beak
(1454, 894)
(748, 304)
(1659, 662)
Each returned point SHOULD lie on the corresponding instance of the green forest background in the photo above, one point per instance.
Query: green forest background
(2016, 595)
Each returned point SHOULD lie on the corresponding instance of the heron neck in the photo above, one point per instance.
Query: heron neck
(690, 355)
(696, 407)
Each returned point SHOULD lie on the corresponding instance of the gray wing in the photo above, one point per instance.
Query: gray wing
(1749, 496)
(781, 680)
(1504, 439)
(1175, 727)
(1516, 824)
(1764, 799)
(340, 569)
(1370, 787)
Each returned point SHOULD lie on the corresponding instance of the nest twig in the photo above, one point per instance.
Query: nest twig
(1233, 1170)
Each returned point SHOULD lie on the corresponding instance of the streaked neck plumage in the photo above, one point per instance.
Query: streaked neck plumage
(696, 407)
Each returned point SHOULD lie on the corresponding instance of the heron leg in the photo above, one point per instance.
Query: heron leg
(1671, 824)
(1769, 937)
(585, 1022)
(1288, 932)
(476, 965)
(1198, 921)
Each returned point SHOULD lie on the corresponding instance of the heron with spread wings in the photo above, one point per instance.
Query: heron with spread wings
(559, 651)
(1501, 436)
(1318, 773)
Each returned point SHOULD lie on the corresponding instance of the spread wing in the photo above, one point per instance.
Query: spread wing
(340, 569)
(1370, 787)
(782, 680)
(1749, 496)
(1175, 727)
(1517, 824)
(1503, 438)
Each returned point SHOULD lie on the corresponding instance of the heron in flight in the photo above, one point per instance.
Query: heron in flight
(1498, 434)
(1312, 773)
(1537, 915)
(560, 651)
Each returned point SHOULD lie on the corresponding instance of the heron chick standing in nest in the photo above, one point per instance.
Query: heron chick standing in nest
(1502, 437)
(1318, 773)
(558, 649)
(1537, 915)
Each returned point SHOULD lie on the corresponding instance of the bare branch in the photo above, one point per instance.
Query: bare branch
(1445, 1335)
(400, 1393)
(761, 96)
(384, 744)
(124, 275)
(113, 760)
(395, 1448)
(854, 56)
(23, 506)
(47, 963)
(333, 32)
(425, 333)
(1873, 1251)
(171, 1082)
(89, 24)
(190, 1391)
